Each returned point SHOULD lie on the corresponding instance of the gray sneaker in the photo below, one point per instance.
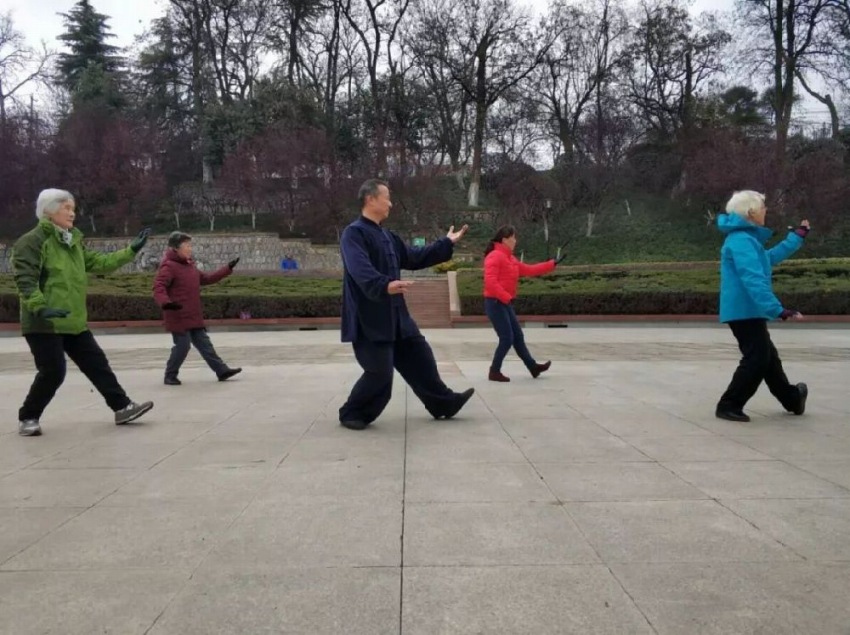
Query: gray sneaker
(29, 428)
(132, 412)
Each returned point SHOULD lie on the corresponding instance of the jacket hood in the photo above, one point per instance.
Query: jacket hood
(729, 223)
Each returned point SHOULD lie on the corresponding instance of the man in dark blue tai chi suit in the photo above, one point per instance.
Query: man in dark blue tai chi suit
(375, 317)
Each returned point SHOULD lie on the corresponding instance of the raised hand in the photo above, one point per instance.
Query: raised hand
(455, 236)
(803, 230)
(49, 313)
(140, 240)
(398, 287)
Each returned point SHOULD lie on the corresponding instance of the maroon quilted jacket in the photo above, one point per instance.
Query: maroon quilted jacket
(179, 280)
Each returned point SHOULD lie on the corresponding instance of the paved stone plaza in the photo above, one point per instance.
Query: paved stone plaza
(603, 497)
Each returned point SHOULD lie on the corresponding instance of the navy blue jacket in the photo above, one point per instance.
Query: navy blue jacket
(372, 257)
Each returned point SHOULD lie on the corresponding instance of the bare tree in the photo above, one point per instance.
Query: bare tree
(376, 23)
(490, 48)
(790, 29)
(582, 61)
(671, 58)
(20, 64)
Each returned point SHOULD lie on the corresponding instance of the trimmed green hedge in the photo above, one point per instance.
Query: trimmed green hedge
(817, 287)
(110, 308)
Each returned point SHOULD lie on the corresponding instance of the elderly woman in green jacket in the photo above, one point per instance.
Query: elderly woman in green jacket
(51, 266)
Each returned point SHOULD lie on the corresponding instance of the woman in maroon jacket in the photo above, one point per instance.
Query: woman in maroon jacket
(501, 276)
(177, 290)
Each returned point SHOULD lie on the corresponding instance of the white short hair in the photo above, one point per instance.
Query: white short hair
(744, 202)
(49, 201)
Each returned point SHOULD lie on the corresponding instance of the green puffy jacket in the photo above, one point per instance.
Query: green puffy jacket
(50, 273)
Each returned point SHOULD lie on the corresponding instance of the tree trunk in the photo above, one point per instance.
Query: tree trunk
(177, 219)
(591, 216)
(477, 152)
(826, 100)
(293, 48)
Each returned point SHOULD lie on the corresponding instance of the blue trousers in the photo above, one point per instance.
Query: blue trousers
(504, 320)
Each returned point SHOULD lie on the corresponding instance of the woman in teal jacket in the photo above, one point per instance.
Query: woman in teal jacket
(747, 302)
(51, 266)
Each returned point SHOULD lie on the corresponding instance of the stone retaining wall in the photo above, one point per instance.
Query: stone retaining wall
(258, 252)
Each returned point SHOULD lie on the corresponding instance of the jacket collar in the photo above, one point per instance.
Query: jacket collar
(503, 248)
(50, 229)
(172, 255)
(730, 223)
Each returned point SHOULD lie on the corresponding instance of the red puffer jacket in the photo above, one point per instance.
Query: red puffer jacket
(179, 280)
(502, 272)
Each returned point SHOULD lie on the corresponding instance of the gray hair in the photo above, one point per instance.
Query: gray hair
(49, 201)
(370, 188)
(744, 202)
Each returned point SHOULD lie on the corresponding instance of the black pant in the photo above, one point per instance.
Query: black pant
(183, 342)
(760, 361)
(413, 359)
(503, 318)
(48, 351)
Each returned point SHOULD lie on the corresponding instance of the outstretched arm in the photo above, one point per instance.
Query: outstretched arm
(215, 276)
(541, 268)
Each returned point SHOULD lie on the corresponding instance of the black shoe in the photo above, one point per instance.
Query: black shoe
(539, 368)
(800, 408)
(353, 424)
(172, 381)
(459, 402)
(230, 372)
(731, 415)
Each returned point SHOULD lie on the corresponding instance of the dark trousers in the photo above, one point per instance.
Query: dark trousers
(504, 320)
(183, 342)
(48, 351)
(760, 361)
(413, 358)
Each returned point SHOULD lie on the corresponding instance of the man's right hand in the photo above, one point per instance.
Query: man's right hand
(171, 306)
(49, 313)
(398, 287)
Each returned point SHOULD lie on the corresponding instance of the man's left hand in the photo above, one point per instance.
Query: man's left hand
(140, 240)
(455, 236)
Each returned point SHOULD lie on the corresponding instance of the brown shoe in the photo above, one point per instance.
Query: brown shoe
(540, 368)
(496, 375)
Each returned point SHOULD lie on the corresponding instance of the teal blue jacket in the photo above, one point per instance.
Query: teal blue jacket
(746, 287)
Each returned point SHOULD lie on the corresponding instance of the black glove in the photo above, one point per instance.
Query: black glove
(140, 240)
(788, 313)
(802, 231)
(49, 313)
(171, 306)
(233, 263)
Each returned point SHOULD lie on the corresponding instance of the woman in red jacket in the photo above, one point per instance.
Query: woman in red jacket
(501, 275)
(177, 290)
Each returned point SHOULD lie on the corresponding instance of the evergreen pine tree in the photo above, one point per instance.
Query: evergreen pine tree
(86, 35)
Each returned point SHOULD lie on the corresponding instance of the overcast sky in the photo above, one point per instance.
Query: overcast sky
(40, 19)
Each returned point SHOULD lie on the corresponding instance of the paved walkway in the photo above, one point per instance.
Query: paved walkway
(603, 497)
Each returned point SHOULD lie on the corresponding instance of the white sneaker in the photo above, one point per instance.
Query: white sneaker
(29, 428)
